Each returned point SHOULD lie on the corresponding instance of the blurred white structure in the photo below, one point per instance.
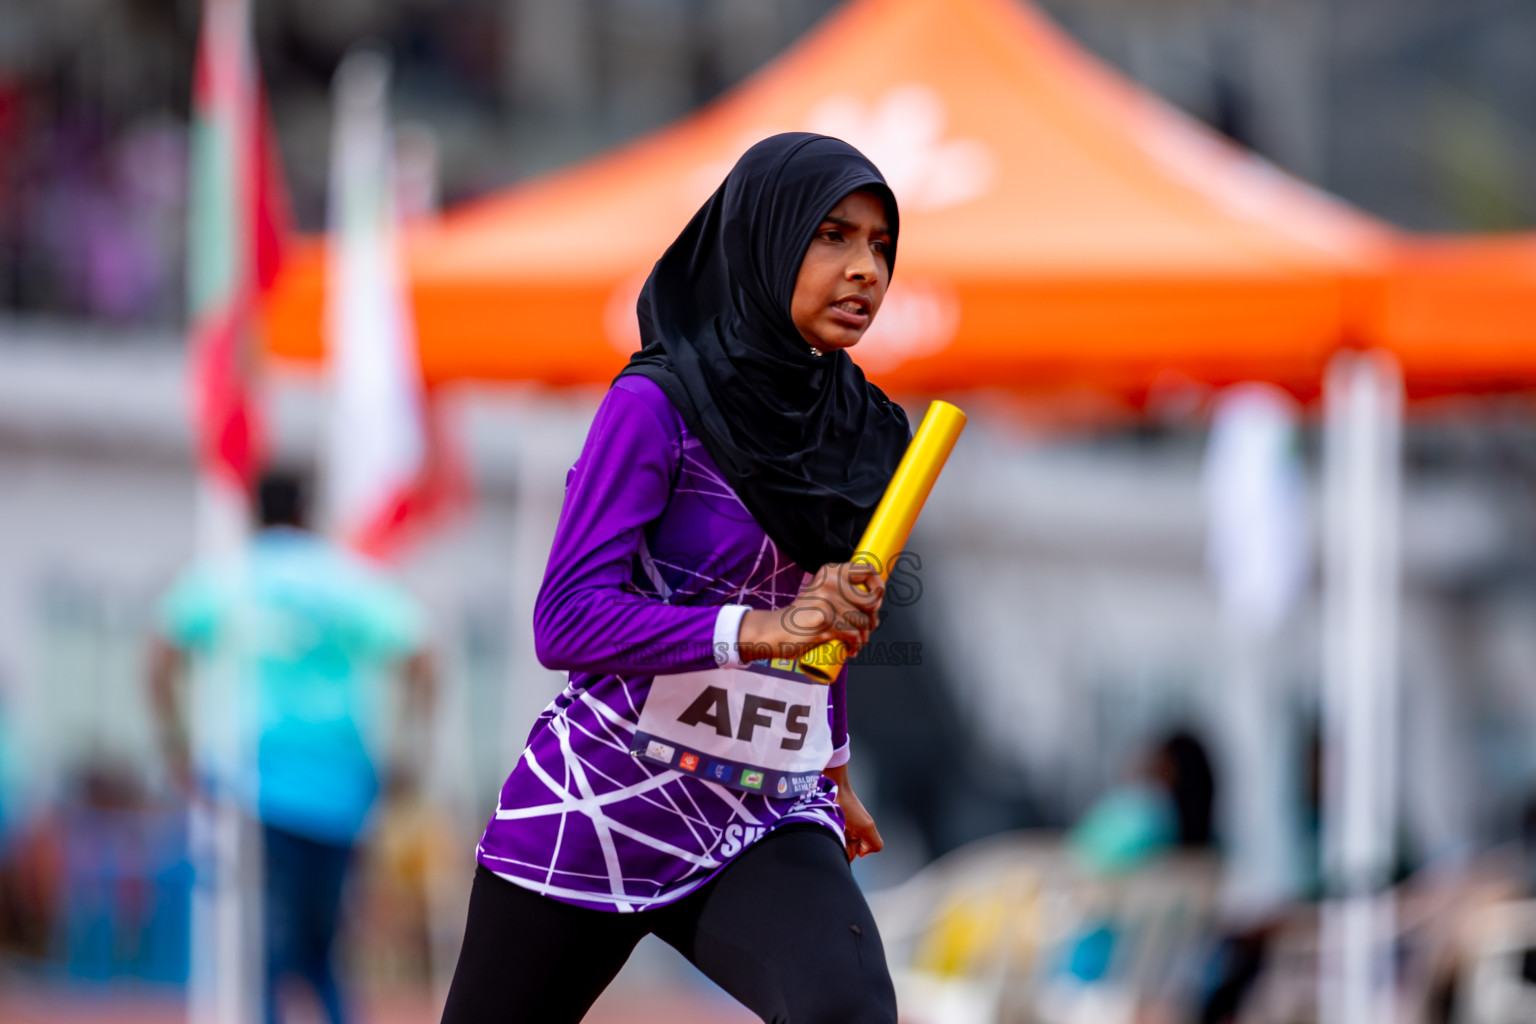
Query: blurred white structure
(1361, 723)
(1258, 553)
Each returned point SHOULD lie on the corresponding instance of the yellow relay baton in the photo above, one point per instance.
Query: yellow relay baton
(888, 529)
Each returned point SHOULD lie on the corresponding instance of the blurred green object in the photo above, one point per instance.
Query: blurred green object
(1127, 828)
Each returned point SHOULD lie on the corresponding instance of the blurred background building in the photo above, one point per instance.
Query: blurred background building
(1083, 556)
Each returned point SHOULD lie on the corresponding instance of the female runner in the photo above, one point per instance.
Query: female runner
(712, 513)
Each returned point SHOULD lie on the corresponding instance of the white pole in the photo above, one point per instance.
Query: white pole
(219, 990)
(1258, 555)
(1363, 399)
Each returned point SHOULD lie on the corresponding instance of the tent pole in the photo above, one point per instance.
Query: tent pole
(1363, 401)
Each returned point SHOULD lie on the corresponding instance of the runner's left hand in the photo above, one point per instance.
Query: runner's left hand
(860, 835)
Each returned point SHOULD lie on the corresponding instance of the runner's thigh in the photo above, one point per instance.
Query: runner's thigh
(529, 959)
(786, 931)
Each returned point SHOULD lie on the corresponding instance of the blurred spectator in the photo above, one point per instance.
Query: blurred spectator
(1121, 845)
(7, 812)
(1167, 804)
(312, 631)
(1183, 766)
(125, 881)
(12, 926)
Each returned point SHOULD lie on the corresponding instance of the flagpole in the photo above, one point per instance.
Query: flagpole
(219, 991)
(221, 277)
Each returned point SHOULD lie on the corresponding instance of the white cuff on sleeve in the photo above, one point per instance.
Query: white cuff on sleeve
(840, 756)
(728, 635)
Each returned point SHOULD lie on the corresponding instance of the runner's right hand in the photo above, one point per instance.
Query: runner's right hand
(841, 602)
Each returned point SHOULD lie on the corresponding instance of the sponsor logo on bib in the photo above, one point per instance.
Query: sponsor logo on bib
(752, 780)
(688, 762)
(716, 770)
(659, 751)
(783, 786)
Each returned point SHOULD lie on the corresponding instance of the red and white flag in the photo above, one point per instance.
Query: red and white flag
(238, 221)
(390, 469)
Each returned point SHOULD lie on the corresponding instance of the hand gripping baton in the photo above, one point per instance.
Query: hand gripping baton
(892, 522)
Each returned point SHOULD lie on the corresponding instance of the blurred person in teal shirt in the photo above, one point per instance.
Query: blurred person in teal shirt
(1169, 804)
(313, 637)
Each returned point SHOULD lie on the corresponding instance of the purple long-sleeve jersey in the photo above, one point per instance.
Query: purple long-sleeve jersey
(651, 544)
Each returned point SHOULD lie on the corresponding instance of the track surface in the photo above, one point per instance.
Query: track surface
(64, 1006)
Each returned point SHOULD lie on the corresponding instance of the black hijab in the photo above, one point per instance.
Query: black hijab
(804, 440)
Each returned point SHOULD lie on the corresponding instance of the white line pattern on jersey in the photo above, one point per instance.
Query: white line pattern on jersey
(592, 782)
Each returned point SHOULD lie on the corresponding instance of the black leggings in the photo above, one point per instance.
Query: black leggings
(784, 929)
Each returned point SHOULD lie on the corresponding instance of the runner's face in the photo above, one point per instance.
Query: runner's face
(843, 276)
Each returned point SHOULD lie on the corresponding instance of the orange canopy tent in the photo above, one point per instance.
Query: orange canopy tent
(1459, 313)
(1060, 227)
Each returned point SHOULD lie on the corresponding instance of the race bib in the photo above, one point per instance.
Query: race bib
(761, 728)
